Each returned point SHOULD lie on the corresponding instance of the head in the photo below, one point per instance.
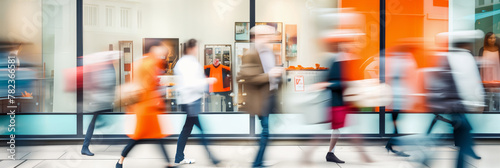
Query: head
(216, 62)
(262, 34)
(340, 40)
(490, 39)
(464, 45)
(158, 50)
(191, 47)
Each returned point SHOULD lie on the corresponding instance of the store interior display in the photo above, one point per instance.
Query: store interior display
(25, 81)
(300, 67)
(240, 48)
(218, 65)
(171, 58)
(291, 40)
(127, 56)
(125, 65)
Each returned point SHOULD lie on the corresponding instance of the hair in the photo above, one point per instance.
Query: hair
(486, 37)
(151, 44)
(191, 43)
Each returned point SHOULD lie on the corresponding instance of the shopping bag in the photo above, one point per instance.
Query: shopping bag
(128, 94)
(367, 93)
(312, 104)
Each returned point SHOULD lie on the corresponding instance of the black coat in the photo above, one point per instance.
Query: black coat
(334, 76)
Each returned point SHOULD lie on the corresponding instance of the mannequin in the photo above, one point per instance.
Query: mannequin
(220, 89)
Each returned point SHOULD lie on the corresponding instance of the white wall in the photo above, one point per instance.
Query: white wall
(295, 12)
(209, 21)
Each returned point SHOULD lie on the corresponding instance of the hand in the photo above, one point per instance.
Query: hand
(319, 86)
(211, 81)
(276, 72)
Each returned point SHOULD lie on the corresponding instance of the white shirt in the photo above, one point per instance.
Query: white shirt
(191, 80)
(267, 59)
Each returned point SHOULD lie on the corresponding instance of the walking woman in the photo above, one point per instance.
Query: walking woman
(192, 84)
(344, 67)
(150, 103)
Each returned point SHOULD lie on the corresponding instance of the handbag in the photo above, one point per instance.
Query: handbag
(128, 94)
(314, 105)
(368, 93)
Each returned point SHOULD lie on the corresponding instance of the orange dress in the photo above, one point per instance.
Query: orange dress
(151, 104)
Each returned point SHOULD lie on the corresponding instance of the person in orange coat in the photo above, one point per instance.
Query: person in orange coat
(150, 103)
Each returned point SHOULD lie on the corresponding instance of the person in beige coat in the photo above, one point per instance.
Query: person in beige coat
(260, 78)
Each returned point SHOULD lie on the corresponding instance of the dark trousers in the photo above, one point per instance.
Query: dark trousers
(90, 130)
(393, 141)
(264, 135)
(132, 143)
(463, 138)
(186, 132)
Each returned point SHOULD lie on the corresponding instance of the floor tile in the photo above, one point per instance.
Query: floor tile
(44, 155)
(10, 163)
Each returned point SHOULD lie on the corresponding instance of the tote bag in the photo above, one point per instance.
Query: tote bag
(314, 105)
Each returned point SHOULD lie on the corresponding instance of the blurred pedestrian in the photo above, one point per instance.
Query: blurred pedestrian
(192, 84)
(455, 88)
(149, 102)
(261, 78)
(100, 91)
(400, 65)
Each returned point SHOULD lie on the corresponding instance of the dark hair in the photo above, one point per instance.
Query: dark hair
(150, 44)
(191, 43)
(486, 37)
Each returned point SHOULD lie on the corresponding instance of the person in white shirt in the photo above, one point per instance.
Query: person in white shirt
(191, 85)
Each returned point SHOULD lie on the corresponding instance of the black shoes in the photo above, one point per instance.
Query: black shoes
(330, 157)
(399, 153)
(118, 165)
(86, 151)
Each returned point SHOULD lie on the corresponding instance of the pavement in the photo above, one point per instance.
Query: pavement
(280, 155)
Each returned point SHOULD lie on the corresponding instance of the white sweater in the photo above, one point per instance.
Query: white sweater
(191, 80)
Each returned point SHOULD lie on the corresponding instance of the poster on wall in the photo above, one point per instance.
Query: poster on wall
(170, 58)
(242, 31)
(291, 40)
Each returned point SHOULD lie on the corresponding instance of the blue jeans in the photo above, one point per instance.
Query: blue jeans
(191, 121)
(264, 135)
(264, 138)
(90, 130)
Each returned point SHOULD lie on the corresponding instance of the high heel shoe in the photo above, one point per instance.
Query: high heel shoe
(118, 165)
(399, 153)
(330, 157)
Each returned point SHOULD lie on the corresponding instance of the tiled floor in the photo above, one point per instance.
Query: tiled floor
(277, 155)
